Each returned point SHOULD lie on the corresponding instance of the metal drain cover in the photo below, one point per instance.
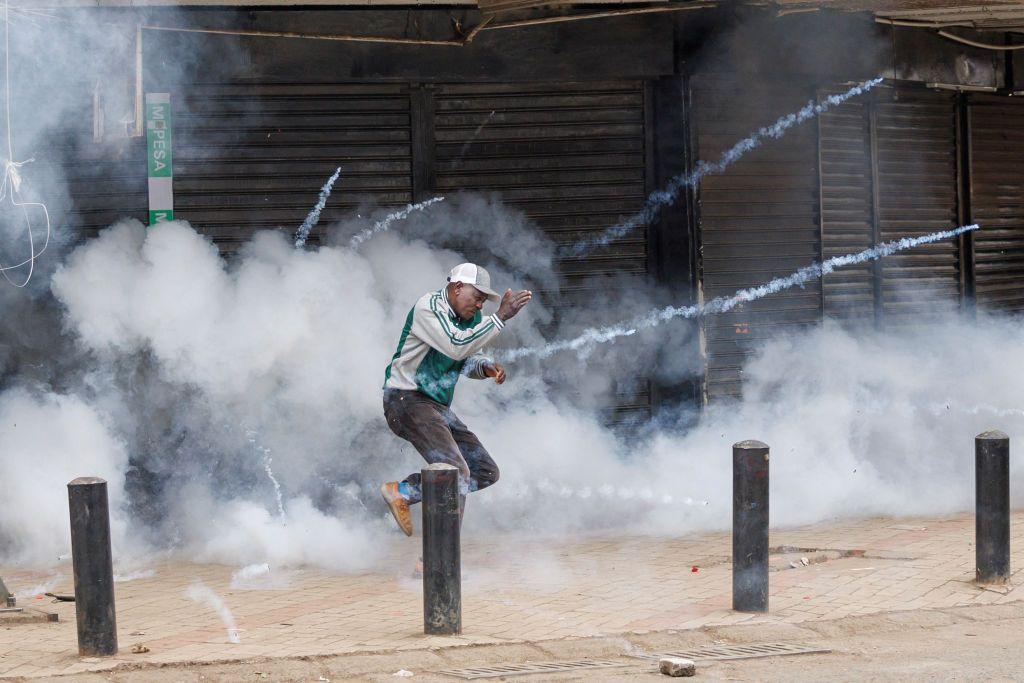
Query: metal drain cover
(498, 670)
(725, 652)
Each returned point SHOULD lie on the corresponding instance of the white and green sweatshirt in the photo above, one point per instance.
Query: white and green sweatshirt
(437, 345)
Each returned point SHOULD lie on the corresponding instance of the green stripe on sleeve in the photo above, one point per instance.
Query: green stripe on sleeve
(447, 328)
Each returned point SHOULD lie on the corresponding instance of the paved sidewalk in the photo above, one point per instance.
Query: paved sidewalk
(518, 590)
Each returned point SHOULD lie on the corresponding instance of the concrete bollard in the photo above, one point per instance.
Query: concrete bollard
(750, 526)
(442, 573)
(93, 566)
(992, 507)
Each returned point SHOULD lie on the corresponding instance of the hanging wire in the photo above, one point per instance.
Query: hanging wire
(10, 186)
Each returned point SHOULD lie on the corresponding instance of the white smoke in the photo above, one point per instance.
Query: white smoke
(48, 440)
(291, 346)
(850, 415)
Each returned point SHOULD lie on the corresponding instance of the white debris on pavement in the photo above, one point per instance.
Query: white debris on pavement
(677, 667)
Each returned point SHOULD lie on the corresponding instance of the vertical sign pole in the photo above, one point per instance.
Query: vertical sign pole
(158, 157)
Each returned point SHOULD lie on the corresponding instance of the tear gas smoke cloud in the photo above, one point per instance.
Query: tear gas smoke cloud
(295, 342)
(583, 343)
(48, 440)
(670, 193)
(314, 215)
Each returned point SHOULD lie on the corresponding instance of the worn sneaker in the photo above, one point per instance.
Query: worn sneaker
(398, 505)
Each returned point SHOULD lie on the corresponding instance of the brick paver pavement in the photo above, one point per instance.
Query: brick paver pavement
(517, 590)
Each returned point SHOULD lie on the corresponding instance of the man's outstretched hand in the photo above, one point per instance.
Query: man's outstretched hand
(512, 303)
(495, 370)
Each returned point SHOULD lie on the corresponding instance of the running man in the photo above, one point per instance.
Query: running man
(443, 335)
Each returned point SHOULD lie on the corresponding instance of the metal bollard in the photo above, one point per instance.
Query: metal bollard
(750, 526)
(442, 573)
(93, 566)
(992, 507)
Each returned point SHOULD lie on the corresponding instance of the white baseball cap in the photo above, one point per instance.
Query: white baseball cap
(472, 274)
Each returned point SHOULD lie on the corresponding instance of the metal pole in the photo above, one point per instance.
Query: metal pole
(442, 574)
(992, 502)
(750, 526)
(93, 566)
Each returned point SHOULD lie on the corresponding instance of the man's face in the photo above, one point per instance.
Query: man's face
(465, 299)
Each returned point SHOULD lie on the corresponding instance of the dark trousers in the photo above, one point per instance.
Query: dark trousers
(439, 436)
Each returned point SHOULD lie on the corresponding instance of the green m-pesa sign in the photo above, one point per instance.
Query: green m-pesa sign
(158, 157)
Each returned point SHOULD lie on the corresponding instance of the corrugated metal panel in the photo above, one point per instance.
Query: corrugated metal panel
(758, 220)
(997, 200)
(572, 157)
(916, 195)
(254, 156)
(106, 182)
(847, 223)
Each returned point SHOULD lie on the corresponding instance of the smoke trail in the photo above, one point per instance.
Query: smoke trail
(385, 223)
(314, 215)
(41, 589)
(660, 198)
(593, 336)
(475, 135)
(200, 592)
(134, 576)
(267, 462)
(277, 486)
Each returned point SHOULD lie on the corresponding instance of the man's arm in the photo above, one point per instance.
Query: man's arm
(475, 365)
(430, 323)
(480, 366)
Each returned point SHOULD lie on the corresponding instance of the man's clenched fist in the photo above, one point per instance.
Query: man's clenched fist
(496, 371)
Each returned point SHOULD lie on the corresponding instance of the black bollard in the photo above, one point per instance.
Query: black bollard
(992, 503)
(750, 527)
(93, 566)
(442, 573)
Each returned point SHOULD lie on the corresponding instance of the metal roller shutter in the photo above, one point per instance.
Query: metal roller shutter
(889, 170)
(253, 156)
(571, 156)
(103, 190)
(916, 194)
(997, 200)
(847, 223)
(758, 221)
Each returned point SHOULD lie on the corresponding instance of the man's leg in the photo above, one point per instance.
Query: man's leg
(483, 471)
(423, 423)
